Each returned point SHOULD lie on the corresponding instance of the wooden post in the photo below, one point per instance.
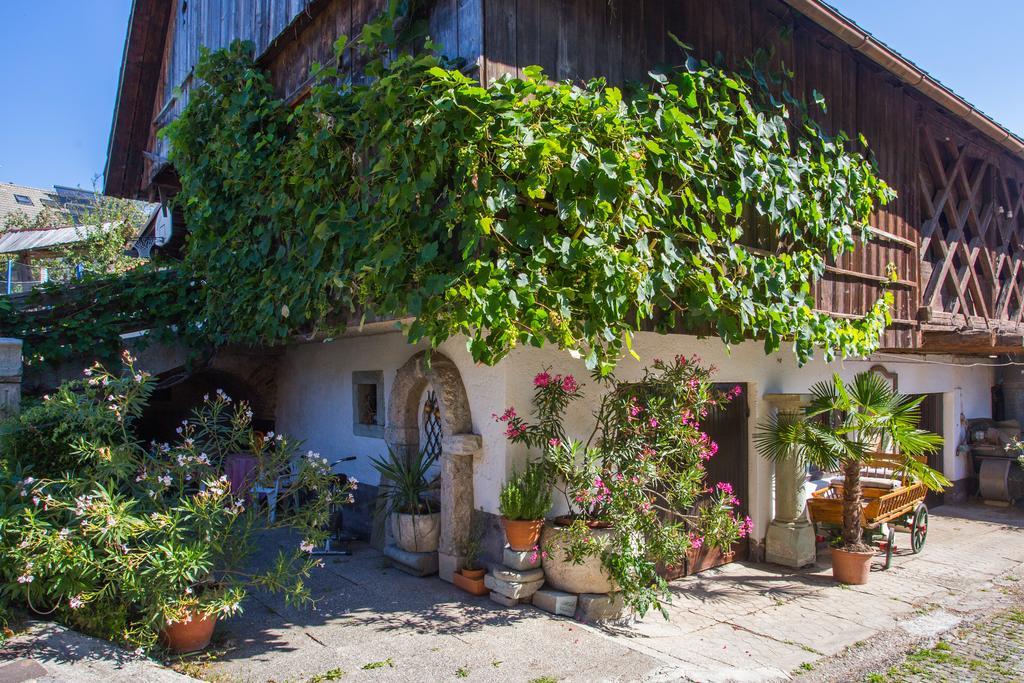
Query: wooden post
(10, 376)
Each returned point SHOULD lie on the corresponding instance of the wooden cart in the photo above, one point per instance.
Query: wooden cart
(899, 504)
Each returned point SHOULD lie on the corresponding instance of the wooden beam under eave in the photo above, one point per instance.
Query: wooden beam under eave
(971, 342)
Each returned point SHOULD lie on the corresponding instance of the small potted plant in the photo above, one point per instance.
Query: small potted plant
(415, 518)
(523, 502)
(471, 577)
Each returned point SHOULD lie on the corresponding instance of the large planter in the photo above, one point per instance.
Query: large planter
(189, 636)
(522, 534)
(589, 576)
(416, 533)
(706, 557)
(851, 567)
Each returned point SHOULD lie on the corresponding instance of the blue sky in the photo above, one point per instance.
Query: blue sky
(60, 61)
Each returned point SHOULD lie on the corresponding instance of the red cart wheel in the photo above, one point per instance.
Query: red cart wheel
(919, 528)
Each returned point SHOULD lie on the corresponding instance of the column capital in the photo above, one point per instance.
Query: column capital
(461, 444)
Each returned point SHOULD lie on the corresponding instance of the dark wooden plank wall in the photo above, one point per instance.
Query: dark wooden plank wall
(289, 36)
(622, 41)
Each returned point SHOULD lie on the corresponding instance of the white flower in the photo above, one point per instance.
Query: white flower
(140, 651)
(188, 591)
(206, 397)
(306, 547)
(87, 372)
(28, 480)
(278, 437)
(75, 602)
(165, 480)
(64, 533)
(177, 430)
(26, 578)
(138, 377)
(270, 434)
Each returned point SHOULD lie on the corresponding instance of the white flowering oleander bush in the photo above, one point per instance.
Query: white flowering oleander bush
(129, 537)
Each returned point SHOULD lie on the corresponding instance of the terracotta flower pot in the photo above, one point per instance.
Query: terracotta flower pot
(851, 567)
(473, 573)
(522, 534)
(474, 585)
(191, 635)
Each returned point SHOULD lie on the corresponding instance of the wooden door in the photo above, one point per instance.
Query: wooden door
(931, 419)
(727, 426)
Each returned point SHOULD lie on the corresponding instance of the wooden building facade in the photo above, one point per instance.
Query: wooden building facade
(950, 248)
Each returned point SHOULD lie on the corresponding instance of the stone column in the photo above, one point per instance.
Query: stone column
(10, 376)
(790, 540)
(457, 453)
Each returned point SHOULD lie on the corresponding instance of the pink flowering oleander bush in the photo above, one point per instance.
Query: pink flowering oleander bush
(640, 472)
(130, 537)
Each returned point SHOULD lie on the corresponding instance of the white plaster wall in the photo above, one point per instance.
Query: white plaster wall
(315, 402)
(315, 396)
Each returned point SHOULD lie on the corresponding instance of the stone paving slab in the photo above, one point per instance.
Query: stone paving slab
(49, 653)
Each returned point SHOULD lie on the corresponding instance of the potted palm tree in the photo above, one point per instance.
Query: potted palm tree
(414, 516)
(843, 427)
(471, 577)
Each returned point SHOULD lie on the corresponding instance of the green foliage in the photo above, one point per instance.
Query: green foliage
(521, 212)
(844, 425)
(517, 213)
(405, 482)
(526, 496)
(131, 537)
(641, 473)
(59, 322)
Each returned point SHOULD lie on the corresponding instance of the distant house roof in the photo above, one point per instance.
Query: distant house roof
(69, 202)
(28, 200)
(21, 241)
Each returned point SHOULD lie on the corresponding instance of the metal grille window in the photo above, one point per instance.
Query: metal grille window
(431, 426)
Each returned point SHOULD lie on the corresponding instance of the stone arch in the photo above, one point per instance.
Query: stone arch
(459, 444)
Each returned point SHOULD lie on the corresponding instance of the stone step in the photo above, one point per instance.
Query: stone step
(521, 560)
(417, 564)
(515, 575)
(518, 591)
(597, 607)
(556, 602)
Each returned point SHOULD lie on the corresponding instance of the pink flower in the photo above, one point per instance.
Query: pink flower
(75, 602)
(509, 414)
(696, 542)
(724, 487)
(542, 379)
(653, 422)
(554, 443)
(746, 526)
(569, 384)
(513, 430)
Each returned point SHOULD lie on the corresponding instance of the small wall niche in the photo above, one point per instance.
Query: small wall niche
(368, 403)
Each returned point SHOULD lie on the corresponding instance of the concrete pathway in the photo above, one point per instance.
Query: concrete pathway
(743, 622)
(757, 622)
(47, 652)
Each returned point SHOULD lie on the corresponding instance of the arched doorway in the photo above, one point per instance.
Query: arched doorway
(438, 376)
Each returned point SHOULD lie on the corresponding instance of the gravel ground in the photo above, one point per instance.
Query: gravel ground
(983, 641)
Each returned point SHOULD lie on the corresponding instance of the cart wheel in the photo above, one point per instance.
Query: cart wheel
(919, 528)
(888, 547)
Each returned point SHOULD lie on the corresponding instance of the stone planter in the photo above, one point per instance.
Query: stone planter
(416, 533)
(589, 576)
